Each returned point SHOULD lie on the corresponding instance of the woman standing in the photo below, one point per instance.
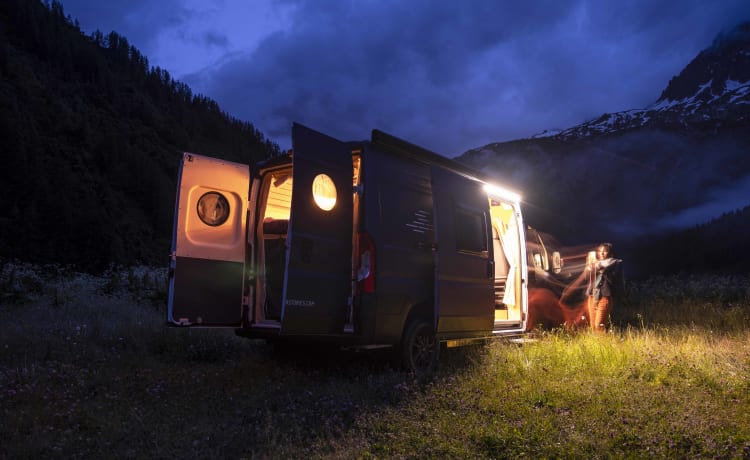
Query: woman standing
(605, 285)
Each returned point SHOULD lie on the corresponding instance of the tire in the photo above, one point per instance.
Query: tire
(420, 350)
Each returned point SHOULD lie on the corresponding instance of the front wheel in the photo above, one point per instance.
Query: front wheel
(420, 349)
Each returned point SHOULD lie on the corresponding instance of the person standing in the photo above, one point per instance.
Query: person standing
(606, 284)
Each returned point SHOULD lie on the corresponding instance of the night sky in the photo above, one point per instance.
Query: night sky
(444, 74)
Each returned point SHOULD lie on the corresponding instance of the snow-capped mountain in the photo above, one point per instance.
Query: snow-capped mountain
(711, 93)
(678, 162)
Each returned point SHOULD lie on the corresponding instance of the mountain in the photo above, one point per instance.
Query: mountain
(711, 95)
(629, 176)
(91, 141)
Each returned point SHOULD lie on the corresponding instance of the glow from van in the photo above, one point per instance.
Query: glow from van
(502, 193)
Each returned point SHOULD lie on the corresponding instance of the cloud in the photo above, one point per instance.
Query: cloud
(446, 75)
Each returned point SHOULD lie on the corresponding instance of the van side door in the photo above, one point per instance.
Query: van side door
(208, 243)
(317, 286)
(464, 269)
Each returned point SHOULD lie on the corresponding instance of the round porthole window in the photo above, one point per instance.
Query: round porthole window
(324, 192)
(213, 209)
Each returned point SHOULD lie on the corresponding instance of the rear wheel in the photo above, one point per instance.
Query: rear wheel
(420, 349)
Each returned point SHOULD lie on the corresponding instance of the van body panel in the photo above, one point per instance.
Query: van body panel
(317, 286)
(194, 292)
(208, 243)
(464, 272)
(397, 211)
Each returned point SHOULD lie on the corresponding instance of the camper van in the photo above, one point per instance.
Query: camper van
(365, 244)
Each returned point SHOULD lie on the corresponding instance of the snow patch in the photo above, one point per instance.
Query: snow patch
(732, 85)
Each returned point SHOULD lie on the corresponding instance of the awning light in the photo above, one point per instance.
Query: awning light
(502, 193)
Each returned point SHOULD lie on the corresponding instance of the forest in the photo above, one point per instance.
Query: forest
(91, 140)
(721, 245)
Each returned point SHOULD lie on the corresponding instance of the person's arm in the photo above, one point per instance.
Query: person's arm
(575, 284)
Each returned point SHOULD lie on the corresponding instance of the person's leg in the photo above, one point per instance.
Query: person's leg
(601, 314)
(591, 311)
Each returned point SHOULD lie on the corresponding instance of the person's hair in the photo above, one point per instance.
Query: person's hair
(607, 246)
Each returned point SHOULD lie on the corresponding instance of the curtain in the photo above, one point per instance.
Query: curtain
(509, 240)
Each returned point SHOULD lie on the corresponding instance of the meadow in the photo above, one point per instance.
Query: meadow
(88, 369)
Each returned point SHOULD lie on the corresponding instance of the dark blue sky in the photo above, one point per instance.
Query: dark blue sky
(444, 74)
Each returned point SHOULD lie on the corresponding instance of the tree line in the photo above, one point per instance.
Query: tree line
(721, 245)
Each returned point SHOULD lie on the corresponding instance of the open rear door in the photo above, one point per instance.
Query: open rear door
(319, 259)
(464, 274)
(208, 244)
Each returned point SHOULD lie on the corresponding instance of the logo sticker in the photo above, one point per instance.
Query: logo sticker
(300, 303)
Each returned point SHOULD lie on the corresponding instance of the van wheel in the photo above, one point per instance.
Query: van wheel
(420, 349)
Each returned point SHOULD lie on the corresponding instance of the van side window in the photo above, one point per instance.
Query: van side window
(471, 230)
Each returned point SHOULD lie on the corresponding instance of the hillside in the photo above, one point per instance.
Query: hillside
(92, 137)
(633, 176)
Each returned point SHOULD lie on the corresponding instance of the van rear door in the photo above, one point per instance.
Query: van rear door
(317, 287)
(464, 274)
(208, 243)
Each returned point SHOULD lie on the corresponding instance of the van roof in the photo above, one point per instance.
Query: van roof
(416, 152)
(391, 143)
(394, 144)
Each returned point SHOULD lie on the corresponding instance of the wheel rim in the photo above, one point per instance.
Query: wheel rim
(423, 349)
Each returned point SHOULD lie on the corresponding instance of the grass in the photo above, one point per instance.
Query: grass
(89, 370)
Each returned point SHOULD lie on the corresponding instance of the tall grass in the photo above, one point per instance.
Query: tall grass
(629, 394)
(709, 302)
(88, 369)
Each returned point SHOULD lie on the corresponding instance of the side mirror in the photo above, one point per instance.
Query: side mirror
(537, 260)
(557, 262)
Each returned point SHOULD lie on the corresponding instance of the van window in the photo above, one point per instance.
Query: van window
(471, 230)
(324, 192)
(213, 209)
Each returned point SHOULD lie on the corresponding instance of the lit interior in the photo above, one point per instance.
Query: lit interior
(507, 250)
(279, 202)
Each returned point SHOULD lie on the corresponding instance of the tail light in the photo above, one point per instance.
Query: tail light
(366, 268)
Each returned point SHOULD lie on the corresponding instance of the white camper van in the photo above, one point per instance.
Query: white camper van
(362, 244)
